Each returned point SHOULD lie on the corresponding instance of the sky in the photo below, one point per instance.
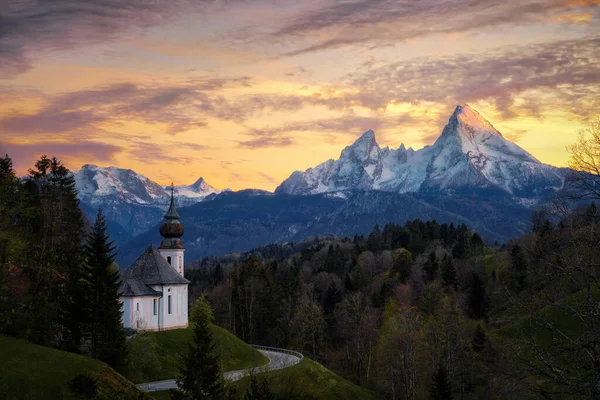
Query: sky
(245, 92)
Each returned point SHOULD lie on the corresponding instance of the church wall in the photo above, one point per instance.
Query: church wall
(179, 306)
(138, 313)
(126, 301)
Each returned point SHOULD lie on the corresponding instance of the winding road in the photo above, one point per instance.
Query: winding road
(278, 359)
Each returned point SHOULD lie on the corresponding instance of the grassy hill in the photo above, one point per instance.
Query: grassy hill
(308, 380)
(156, 356)
(29, 371)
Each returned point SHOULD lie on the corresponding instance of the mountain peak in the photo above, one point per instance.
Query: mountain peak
(198, 182)
(368, 136)
(466, 115)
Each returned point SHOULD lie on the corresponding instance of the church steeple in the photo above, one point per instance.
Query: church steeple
(171, 229)
(171, 247)
(172, 212)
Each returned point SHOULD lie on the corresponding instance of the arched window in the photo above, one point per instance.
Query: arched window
(169, 259)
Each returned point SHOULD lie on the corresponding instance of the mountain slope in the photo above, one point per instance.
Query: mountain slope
(469, 155)
(239, 221)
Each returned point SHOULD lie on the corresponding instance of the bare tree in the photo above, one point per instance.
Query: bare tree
(585, 162)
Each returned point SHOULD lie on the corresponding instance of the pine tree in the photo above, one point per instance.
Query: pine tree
(449, 272)
(461, 249)
(479, 339)
(55, 219)
(520, 265)
(106, 334)
(476, 300)
(201, 375)
(431, 266)
(441, 389)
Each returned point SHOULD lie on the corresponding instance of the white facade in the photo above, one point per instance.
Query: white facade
(153, 313)
(174, 257)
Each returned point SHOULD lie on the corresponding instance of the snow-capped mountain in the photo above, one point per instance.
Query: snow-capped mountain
(132, 202)
(96, 184)
(470, 154)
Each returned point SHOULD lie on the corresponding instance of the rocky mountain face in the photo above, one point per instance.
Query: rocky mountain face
(131, 202)
(469, 155)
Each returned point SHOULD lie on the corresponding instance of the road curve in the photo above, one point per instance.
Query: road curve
(277, 360)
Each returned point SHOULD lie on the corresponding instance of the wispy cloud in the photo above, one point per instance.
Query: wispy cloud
(74, 154)
(28, 27)
(381, 22)
(541, 77)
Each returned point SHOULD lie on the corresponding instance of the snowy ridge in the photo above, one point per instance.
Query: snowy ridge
(97, 186)
(469, 154)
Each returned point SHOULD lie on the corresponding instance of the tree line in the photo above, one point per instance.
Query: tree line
(58, 280)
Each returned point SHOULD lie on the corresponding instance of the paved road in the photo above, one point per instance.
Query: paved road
(277, 361)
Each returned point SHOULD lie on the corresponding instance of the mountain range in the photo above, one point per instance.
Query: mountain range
(470, 154)
(471, 174)
(131, 201)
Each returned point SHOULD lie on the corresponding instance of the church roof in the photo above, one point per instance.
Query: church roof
(151, 268)
(132, 288)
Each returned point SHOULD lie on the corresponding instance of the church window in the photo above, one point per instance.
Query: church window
(137, 306)
(169, 304)
(169, 259)
(155, 306)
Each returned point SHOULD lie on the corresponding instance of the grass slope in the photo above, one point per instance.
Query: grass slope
(29, 371)
(156, 356)
(308, 380)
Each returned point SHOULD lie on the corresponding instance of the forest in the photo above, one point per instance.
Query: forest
(427, 310)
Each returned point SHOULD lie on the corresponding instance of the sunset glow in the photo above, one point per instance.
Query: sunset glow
(244, 93)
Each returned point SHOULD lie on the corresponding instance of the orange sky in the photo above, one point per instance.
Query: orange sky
(245, 93)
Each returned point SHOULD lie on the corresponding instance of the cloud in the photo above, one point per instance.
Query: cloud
(29, 27)
(530, 79)
(72, 154)
(381, 22)
(268, 178)
(262, 142)
(179, 107)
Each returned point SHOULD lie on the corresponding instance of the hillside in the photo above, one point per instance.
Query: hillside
(308, 380)
(157, 356)
(29, 371)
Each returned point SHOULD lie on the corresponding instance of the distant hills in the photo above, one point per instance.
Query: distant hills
(471, 174)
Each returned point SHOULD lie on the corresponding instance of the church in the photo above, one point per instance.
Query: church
(154, 292)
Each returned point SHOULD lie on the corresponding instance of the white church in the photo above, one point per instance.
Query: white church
(154, 291)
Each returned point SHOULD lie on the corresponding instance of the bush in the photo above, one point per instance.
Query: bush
(85, 385)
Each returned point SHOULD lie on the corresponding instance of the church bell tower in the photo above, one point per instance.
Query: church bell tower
(171, 247)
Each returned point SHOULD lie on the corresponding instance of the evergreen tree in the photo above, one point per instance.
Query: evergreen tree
(106, 334)
(441, 388)
(54, 218)
(461, 249)
(479, 339)
(259, 390)
(477, 244)
(477, 301)
(449, 277)
(520, 265)
(431, 266)
(201, 375)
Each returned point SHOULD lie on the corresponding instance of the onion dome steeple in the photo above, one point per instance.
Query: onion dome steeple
(171, 229)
